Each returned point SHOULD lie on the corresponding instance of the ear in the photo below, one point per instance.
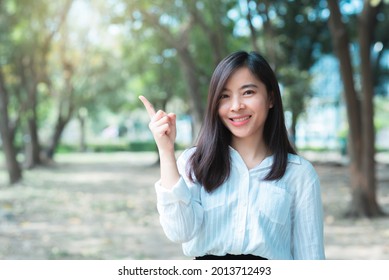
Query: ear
(271, 103)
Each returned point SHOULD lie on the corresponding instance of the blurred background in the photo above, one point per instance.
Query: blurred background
(78, 163)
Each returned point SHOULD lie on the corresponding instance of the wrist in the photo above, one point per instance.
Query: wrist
(166, 152)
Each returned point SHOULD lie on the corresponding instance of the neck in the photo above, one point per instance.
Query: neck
(252, 150)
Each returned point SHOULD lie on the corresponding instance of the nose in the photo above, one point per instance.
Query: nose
(236, 104)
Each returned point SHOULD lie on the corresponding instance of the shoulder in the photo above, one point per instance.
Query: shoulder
(186, 155)
(299, 161)
(183, 158)
(300, 168)
(185, 168)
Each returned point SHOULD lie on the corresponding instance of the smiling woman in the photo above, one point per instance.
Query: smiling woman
(243, 107)
(242, 192)
(243, 85)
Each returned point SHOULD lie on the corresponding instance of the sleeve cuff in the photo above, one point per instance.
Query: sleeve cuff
(179, 193)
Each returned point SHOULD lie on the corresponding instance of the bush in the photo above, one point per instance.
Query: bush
(108, 147)
(142, 146)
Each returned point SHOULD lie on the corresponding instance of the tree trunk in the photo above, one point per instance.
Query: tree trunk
(33, 72)
(193, 85)
(29, 83)
(214, 31)
(292, 130)
(367, 21)
(364, 201)
(33, 148)
(13, 167)
(191, 74)
(82, 118)
(253, 32)
(65, 105)
(269, 35)
(56, 137)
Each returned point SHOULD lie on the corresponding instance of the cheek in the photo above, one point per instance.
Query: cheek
(269, 103)
(262, 104)
(222, 115)
(222, 110)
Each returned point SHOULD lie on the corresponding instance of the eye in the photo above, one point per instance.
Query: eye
(248, 92)
(224, 96)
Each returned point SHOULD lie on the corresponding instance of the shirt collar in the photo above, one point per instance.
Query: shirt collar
(267, 162)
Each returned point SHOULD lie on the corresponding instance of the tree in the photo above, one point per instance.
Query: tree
(24, 55)
(66, 105)
(28, 61)
(33, 156)
(359, 111)
(296, 94)
(291, 35)
(196, 30)
(7, 133)
(8, 121)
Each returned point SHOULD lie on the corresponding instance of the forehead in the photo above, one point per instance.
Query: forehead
(242, 77)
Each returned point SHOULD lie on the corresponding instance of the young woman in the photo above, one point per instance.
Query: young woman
(242, 192)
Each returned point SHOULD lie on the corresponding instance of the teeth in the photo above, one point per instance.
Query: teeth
(241, 119)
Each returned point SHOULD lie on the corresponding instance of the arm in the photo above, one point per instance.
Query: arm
(181, 213)
(163, 127)
(179, 206)
(308, 240)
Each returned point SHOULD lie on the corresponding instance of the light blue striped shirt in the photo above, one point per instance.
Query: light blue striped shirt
(246, 215)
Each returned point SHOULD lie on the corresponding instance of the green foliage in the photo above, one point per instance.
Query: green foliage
(296, 91)
(111, 146)
(142, 146)
(381, 112)
(107, 53)
(108, 147)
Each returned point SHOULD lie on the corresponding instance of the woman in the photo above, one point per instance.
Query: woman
(242, 192)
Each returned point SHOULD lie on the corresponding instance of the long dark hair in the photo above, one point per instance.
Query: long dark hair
(210, 164)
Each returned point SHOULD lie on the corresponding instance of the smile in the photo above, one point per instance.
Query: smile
(239, 121)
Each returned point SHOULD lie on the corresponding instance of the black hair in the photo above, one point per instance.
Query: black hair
(210, 164)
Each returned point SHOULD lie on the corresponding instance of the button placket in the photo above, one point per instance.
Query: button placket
(241, 217)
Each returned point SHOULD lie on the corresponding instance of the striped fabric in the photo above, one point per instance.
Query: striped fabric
(246, 215)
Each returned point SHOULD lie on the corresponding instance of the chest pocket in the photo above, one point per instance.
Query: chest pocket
(274, 202)
(214, 199)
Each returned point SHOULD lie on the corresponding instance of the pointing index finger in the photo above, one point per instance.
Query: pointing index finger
(149, 107)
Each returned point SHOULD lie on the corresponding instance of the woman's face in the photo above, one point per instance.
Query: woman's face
(244, 105)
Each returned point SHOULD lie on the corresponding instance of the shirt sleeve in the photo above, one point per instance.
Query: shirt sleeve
(308, 242)
(179, 208)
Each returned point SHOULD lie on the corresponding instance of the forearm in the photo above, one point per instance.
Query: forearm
(169, 170)
(308, 225)
(180, 221)
(180, 209)
(163, 127)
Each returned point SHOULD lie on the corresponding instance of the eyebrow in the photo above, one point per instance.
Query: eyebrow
(248, 86)
(251, 85)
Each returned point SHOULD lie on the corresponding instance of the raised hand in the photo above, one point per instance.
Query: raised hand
(162, 125)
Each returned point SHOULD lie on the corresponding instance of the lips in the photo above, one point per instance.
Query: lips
(239, 121)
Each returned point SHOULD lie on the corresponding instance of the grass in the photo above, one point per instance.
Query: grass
(102, 206)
